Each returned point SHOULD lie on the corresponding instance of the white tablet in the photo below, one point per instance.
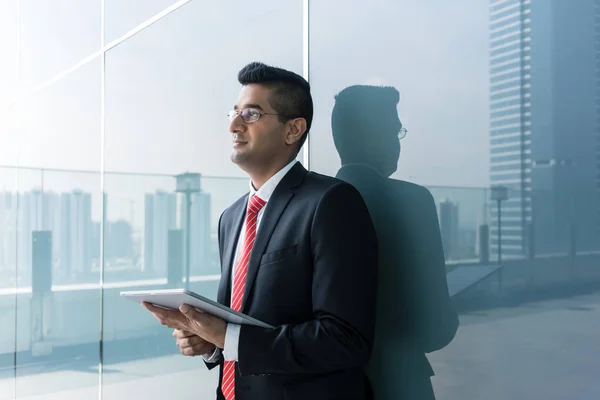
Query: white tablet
(173, 298)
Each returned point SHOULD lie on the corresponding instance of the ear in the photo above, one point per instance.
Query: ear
(296, 128)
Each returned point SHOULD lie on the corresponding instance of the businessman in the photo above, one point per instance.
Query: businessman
(298, 252)
(414, 312)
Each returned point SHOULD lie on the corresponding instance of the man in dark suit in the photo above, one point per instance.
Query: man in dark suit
(414, 312)
(298, 252)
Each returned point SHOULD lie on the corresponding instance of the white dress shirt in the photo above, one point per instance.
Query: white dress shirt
(232, 336)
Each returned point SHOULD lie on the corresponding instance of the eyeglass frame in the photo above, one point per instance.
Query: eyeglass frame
(260, 112)
(402, 134)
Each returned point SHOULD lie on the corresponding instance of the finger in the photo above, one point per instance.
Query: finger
(152, 308)
(197, 350)
(180, 334)
(190, 341)
(191, 312)
(159, 311)
(156, 311)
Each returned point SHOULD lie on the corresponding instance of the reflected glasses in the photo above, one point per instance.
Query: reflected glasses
(249, 115)
(402, 133)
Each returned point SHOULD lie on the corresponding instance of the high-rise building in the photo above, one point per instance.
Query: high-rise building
(75, 234)
(160, 217)
(199, 232)
(35, 211)
(449, 229)
(8, 233)
(118, 239)
(544, 127)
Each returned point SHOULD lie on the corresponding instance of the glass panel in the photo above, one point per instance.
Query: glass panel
(8, 280)
(520, 262)
(145, 225)
(121, 16)
(167, 94)
(58, 209)
(55, 35)
(168, 91)
(457, 125)
(8, 49)
(58, 305)
(59, 127)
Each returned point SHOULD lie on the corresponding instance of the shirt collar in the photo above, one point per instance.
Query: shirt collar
(266, 191)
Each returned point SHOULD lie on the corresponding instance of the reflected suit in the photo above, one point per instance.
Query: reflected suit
(414, 311)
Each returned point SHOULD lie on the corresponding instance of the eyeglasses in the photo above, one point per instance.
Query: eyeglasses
(402, 133)
(249, 115)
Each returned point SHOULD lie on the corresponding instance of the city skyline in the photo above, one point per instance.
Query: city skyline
(541, 63)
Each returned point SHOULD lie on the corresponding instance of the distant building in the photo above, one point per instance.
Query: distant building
(160, 217)
(449, 229)
(200, 242)
(118, 240)
(545, 121)
(8, 232)
(75, 234)
(467, 247)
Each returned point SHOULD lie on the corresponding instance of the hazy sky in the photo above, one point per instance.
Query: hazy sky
(168, 88)
(435, 53)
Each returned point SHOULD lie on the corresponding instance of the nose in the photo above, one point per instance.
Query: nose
(237, 125)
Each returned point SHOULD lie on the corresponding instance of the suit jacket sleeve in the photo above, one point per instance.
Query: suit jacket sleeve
(344, 288)
(436, 318)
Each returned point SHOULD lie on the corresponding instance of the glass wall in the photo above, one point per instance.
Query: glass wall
(105, 104)
(512, 165)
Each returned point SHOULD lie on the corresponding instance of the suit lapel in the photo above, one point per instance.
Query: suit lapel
(231, 231)
(274, 208)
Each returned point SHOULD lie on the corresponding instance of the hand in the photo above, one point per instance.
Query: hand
(192, 345)
(208, 327)
(171, 318)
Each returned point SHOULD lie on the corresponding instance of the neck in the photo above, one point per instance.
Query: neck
(363, 164)
(259, 176)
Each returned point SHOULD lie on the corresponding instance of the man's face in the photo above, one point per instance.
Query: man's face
(259, 143)
(383, 142)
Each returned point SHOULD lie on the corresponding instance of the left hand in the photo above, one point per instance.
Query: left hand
(208, 327)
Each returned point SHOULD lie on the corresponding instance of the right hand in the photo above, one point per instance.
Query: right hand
(192, 345)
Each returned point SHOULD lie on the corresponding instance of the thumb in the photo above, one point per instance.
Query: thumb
(188, 311)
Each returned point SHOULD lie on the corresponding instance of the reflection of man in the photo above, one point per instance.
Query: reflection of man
(299, 253)
(414, 315)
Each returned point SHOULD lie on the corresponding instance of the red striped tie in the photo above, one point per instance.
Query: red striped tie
(239, 282)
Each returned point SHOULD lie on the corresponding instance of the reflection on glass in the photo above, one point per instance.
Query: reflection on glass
(145, 242)
(169, 93)
(499, 93)
(414, 315)
(59, 126)
(9, 50)
(123, 16)
(57, 318)
(8, 277)
(54, 36)
(52, 249)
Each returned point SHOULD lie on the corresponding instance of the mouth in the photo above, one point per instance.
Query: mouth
(238, 143)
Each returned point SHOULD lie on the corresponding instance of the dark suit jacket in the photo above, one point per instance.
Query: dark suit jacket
(312, 274)
(414, 311)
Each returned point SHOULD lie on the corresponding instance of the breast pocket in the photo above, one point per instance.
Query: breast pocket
(278, 255)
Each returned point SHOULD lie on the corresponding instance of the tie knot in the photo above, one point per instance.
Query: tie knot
(255, 204)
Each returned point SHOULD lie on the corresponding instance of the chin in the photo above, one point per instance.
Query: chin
(389, 171)
(239, 158)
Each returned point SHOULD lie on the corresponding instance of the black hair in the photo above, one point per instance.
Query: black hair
(355, 113)
(291, 96)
